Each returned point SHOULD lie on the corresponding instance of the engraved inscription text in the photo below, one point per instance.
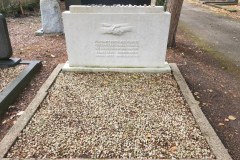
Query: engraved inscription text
(117, 48)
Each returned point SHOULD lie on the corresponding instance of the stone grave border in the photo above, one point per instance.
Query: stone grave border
(221, 6)
(213, 140)
(14, 88)
(219, 2)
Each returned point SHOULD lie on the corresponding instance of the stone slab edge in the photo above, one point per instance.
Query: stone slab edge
(213, 140)
(11, 62)
(14, 88)
(216, 5)
(23, 120)
(165, 69)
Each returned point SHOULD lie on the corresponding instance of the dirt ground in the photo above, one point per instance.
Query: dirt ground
(214, 86)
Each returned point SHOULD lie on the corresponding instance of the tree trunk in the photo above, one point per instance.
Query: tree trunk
(20, 5)
(174, 7)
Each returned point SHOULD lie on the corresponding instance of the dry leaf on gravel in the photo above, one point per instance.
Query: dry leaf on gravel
(226, 120)
(20, 113)
(232, 118)
(221, 124)
(173, 149)
(210, 90)
(4, 121)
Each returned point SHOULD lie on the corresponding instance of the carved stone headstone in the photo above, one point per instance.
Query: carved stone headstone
(5, 44)
(51, 16)
(104, 38)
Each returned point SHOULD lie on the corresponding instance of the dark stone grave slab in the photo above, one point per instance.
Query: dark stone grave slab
(11, 62)
(5, 44)
(106, 2)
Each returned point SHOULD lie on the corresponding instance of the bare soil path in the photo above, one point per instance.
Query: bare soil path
(220, 32)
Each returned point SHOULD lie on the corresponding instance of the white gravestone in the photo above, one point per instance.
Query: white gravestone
(51, 17)
(116, 38)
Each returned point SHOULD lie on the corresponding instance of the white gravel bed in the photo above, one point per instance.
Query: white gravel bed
(9, 74)
(112, 115)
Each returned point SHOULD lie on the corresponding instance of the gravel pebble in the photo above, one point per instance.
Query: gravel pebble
(9, 74)
(112, 115)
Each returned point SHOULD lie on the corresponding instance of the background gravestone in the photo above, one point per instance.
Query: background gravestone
(51, 17)
(5, 44)
(106, 2)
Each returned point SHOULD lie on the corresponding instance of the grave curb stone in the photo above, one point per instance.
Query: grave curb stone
(23, 120)
(14, 88)
(213, 140)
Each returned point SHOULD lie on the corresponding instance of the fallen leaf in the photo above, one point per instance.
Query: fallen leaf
(11, 106)
(220, 124)
(210, 90)
(12, 116)
(173, 149)
(135, 77)
(232, 118)
(105, 82)
(149, 135)
(226, 119)
(20, 113)
(4, 122)
(196, 93)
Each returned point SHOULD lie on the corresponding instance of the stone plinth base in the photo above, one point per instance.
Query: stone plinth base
(165, 69)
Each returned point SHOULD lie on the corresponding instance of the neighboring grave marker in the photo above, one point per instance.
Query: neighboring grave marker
(116, 37)
(5, 44)
(51, 17)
